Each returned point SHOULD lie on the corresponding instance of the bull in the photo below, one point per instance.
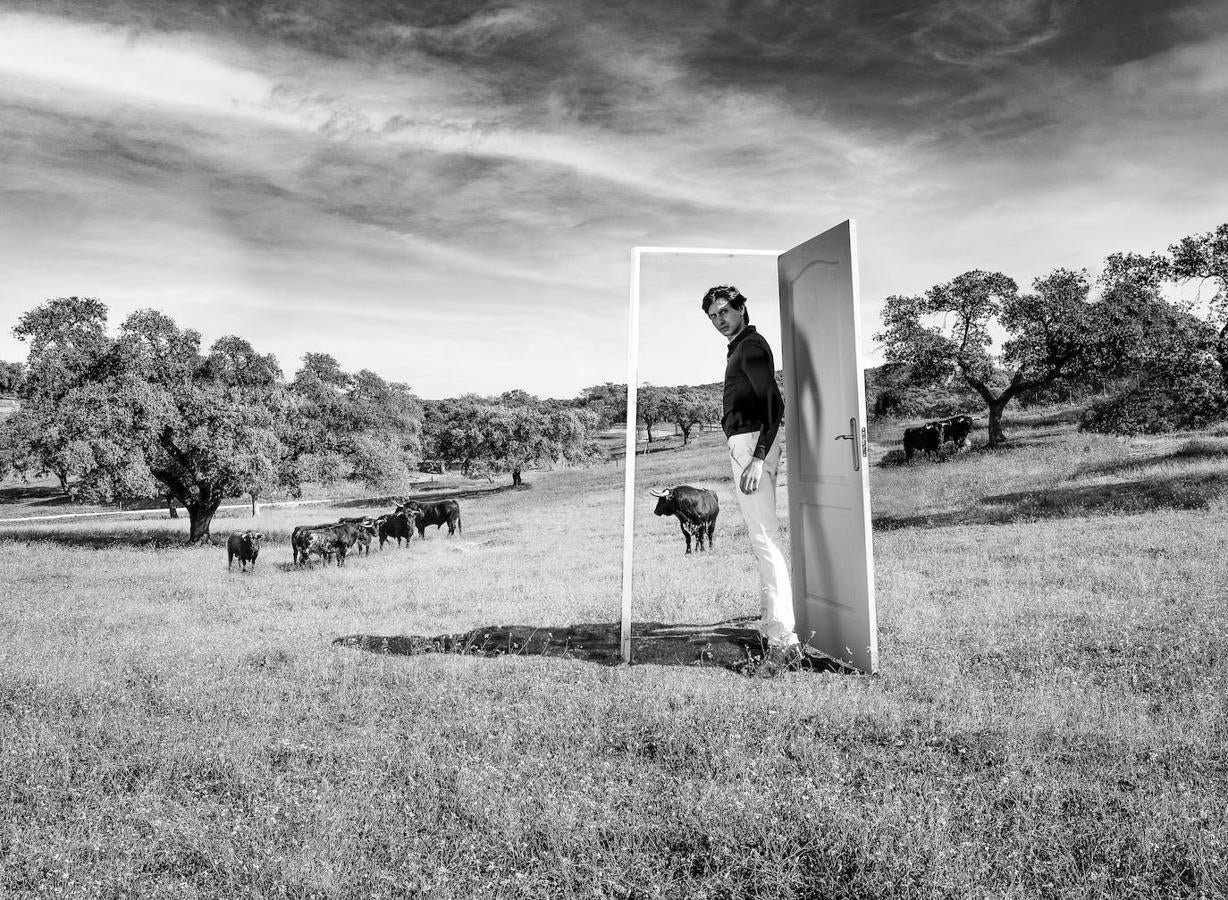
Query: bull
(398, 524)
(246, 546)
(366, 531)
(695, 508)
(326, 540)
(926, 438)
(954, 430)
(297, 540)
(439, 513)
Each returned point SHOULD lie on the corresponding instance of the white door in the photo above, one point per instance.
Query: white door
(825, 445)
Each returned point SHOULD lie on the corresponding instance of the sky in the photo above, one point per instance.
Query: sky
(447, 192)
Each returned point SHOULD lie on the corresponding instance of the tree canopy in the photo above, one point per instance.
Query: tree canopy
(508, 434)
(147, 413)
(948, 333)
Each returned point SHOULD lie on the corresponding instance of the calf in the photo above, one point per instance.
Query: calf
(439, 513)
(696, 509)
(246, 546)
(926, 438)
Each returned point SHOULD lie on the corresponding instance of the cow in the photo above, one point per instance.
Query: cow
(366, 531)
(246, 546)
(439, 513)
(926, 438)
(296, 543)
(696, 509)
(326, 540)
(398, 524)
(955, 430)
(311, 542)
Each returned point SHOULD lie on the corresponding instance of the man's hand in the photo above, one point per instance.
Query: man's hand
(749, 482)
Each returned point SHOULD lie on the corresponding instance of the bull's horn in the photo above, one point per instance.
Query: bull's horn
(656, 493)
(259, 536)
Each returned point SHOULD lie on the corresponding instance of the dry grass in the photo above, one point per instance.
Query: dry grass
(1050, 719)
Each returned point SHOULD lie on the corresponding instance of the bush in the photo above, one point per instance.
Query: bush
(1173, 398)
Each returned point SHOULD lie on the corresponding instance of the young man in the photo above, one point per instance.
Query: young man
(752, 412)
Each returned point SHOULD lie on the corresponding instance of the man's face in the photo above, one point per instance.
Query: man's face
(725, 319)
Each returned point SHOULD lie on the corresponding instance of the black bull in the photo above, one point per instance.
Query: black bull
(926, 438)
(441, 512)
(695, 508)
(398, 524)
(930, 437)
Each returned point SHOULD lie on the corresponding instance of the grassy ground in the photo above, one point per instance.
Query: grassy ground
(1050, 721)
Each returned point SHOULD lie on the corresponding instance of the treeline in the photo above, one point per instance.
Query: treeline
(147, 413)
(1151, 365)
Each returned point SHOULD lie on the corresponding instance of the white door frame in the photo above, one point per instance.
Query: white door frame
(633, 358)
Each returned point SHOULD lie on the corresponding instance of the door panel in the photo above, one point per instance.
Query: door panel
(829, 489)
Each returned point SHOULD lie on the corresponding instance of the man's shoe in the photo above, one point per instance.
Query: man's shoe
(779, 659)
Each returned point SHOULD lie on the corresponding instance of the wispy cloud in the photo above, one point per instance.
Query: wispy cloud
(391, 160)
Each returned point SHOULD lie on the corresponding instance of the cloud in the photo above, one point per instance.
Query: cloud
(348, 156)
(962, 32)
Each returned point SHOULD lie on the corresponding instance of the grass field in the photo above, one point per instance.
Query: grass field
(1051, 718)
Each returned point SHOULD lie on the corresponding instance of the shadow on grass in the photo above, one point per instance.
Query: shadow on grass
(1028, 419)
(35, 496)
(1175, 492)
(728, 645)
(86, 540)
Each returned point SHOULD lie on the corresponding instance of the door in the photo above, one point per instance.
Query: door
(825, 445)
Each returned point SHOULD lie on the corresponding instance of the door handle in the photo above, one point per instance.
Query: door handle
(859, 446)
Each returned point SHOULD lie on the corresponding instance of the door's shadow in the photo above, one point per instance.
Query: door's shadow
(732, 645)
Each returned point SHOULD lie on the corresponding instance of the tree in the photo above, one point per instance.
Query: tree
(1205, 257)
(650, 407)
(206, 427)
(356, 427)
(68, 339)
(12, 377)
(608, 401)
(481, 435)
(146, 413)
(1161, 359)
(946, 334)
(686, 408)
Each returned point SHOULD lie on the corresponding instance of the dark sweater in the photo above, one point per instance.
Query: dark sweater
(752, 401)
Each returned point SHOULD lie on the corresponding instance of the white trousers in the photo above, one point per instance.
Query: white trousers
(759, 510)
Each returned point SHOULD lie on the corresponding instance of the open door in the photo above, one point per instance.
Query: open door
(825, 444)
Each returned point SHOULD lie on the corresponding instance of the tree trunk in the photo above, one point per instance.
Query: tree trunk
(516, 482)
(170, 507)
(200, 516)
(255, 506)
(996, 408)
(686, 434)
(1221, 353)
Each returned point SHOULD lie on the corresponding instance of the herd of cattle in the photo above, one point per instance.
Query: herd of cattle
(695, 508)
(334, 540)
(931, 437)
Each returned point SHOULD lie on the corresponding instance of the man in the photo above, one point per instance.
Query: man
(752, 410)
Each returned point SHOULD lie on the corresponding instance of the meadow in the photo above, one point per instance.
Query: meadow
(1050, 719)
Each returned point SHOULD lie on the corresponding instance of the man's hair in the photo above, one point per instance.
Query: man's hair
(726, 292)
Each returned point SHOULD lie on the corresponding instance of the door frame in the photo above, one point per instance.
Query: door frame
(633, 359)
